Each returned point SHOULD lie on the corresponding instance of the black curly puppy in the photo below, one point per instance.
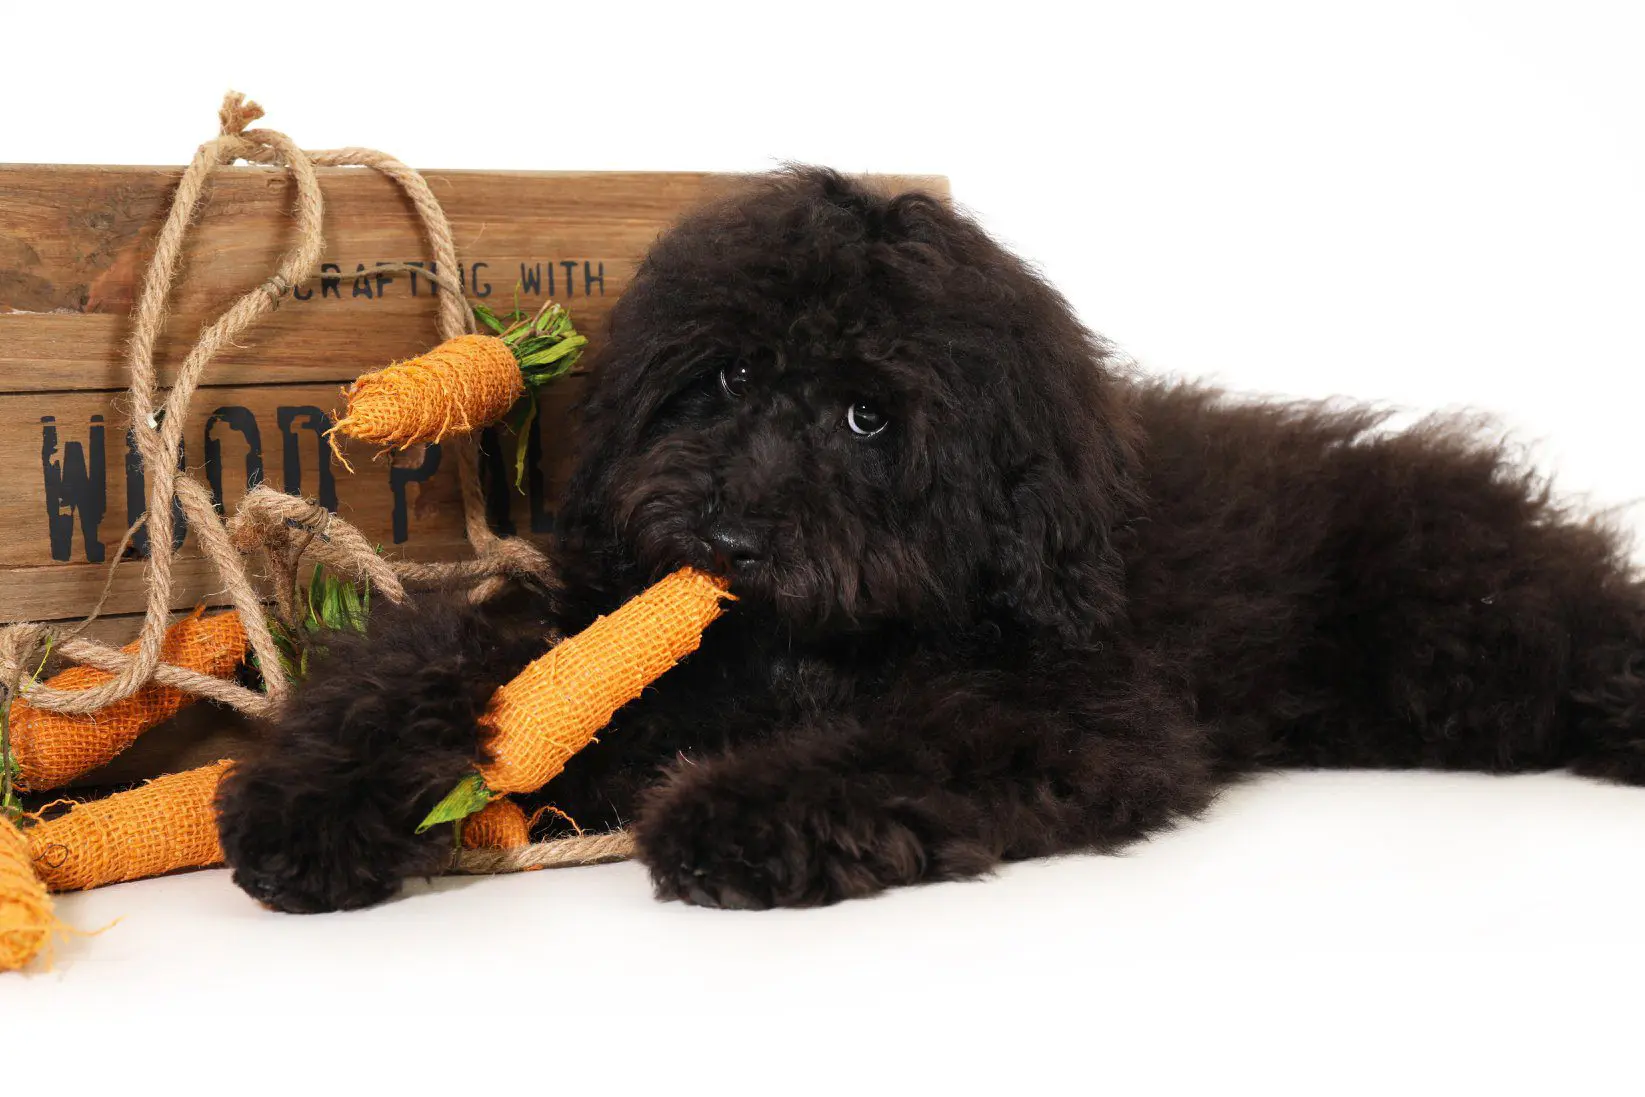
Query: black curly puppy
(998, 599)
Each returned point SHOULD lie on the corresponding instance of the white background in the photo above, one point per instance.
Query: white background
(1434, 205)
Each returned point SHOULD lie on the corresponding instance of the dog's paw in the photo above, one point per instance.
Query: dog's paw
(310, 852)
(712, 838)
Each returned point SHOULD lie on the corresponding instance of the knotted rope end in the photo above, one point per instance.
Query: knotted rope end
(236, 113)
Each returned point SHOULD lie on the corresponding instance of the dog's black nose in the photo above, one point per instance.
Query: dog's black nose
(735, 544)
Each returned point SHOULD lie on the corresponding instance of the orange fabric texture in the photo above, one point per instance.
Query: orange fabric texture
(165, 825)
(461, 385)
(53, 748)
(501, 824)
(554, 707)
(26, 919)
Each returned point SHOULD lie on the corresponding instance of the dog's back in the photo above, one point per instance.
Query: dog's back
(1342, 594)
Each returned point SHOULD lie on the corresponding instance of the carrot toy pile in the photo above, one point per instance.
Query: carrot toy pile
(536, 722)
(554, 708)
(160, 827)
(169, 824)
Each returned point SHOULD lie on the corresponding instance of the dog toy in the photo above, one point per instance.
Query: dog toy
(155, 828)
(464, 383)
(554, 707)
(53, 748)
(501, 824)
(165, 825)
(26, 920)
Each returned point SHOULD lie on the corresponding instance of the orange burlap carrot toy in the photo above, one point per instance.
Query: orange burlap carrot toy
(26, 920)
(556, 706)
(501, 824)
(53, 748)
(464, 383)
(165, 825)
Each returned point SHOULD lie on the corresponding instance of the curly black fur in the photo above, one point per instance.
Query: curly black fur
(1049, 607)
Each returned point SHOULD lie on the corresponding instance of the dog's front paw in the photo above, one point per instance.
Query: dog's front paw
(303, 848)
(717, 837)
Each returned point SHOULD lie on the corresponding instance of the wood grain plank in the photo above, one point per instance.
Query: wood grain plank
(72, 485)
(75, 240)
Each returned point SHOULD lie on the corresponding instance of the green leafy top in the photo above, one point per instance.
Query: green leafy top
(11, 805)
(546, 345)
(469, 796)
(333, 604)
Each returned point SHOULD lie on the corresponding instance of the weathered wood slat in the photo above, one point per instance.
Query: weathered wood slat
(70, 491)
(75, 240)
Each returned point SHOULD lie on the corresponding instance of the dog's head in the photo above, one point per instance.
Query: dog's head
(862, 409)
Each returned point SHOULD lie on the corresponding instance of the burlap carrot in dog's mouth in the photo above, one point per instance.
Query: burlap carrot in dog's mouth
(557, 705)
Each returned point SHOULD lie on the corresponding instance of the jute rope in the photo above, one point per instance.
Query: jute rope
(283, 527)
(286, 527)
(584, 849)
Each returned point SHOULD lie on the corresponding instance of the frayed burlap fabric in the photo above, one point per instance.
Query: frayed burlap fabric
(26, 920)
(554, 707)
(165, 825)
(460, 386)
(501, 824)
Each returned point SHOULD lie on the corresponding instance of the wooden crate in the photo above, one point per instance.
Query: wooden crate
(73, 244)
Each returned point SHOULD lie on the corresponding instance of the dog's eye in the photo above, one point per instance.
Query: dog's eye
(734, 380)
(865, 420)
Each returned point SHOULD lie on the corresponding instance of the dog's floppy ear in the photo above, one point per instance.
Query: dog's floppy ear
(1054, 567)
(1064, 441)
(1046, 421)
(605, 417)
